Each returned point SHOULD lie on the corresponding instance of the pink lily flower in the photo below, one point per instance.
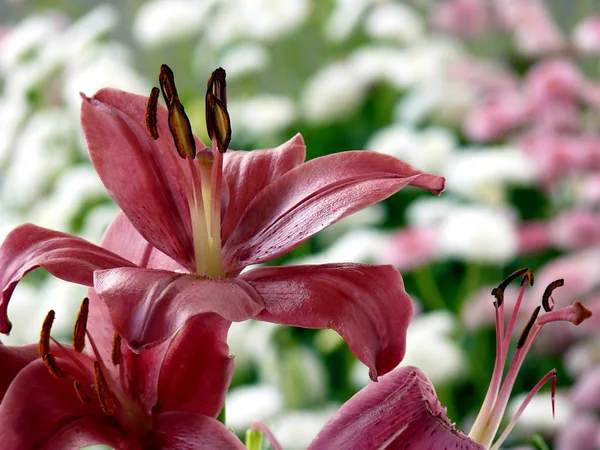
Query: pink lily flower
(166, 397)
(403, 411)
(208, 215)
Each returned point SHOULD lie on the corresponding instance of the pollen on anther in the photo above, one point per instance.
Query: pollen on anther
(81, 394)
(547, 301)
(116, 354)
(44, 344)
(527, 328)
(80, 326)
(55, 370)
(151, 113)
(102, 391)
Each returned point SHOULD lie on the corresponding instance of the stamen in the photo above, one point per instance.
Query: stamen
(166, 80)
(550, 375)
(81, 394)
(102, 391)
(116, 353)
(527, 329)
(80, 326)
(44, 344)
(217, 85)
(151, 113)
(498, 292)
(179, 124)
(55, 370)
(218, 123)
(547, 297)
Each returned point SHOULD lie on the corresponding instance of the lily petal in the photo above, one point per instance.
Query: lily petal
(63, 255)
(367, 305)
(12, 361)
(313, 196)
(247, 173)
(185, 431)
(400, 411)
(41, 412)
(147, 306)
(198, 356)
(122, 238)
(145, 181)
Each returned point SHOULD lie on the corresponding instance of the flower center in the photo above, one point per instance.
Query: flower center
(494, 405)
(92, 380)
(201, 171)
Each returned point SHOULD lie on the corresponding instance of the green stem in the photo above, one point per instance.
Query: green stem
(430, 294)
(221, 417)
(470, 283)
(254, 439)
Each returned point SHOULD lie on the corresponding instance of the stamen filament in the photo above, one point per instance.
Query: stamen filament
(550, 375)
(199, 223)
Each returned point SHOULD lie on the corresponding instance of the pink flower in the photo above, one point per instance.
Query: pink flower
(161, 397)
(586, 36)
(208, 215)
(403, 411)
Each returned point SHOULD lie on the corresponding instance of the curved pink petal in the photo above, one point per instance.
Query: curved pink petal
(147, 306)
(313, 196)
(12, 361)
(247, 173)
(400, 411)
(186, 431)
(63, 255)
(123, 239)
(367, 305)
(197, 369)
(138, 173)
(39, 410)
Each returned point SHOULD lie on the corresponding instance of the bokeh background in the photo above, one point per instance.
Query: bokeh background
(502, 97)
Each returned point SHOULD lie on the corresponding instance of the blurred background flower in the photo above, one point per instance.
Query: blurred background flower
(502, 97)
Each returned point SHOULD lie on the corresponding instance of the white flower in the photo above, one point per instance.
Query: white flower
(29, 306)
(248, 403)
(427, 211)
(105, 66)
(77, 187)
(358, 245)
(430, 347)
(480, 234)
(394, 21)
(263, 114)
(344, 18)
(40, 153)
(160, 22)
(296, 430)
(27, 38)
(244, 58)
(332, 93)
(264, 20)
(537, 417)
(483, 174)
(425, 149)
